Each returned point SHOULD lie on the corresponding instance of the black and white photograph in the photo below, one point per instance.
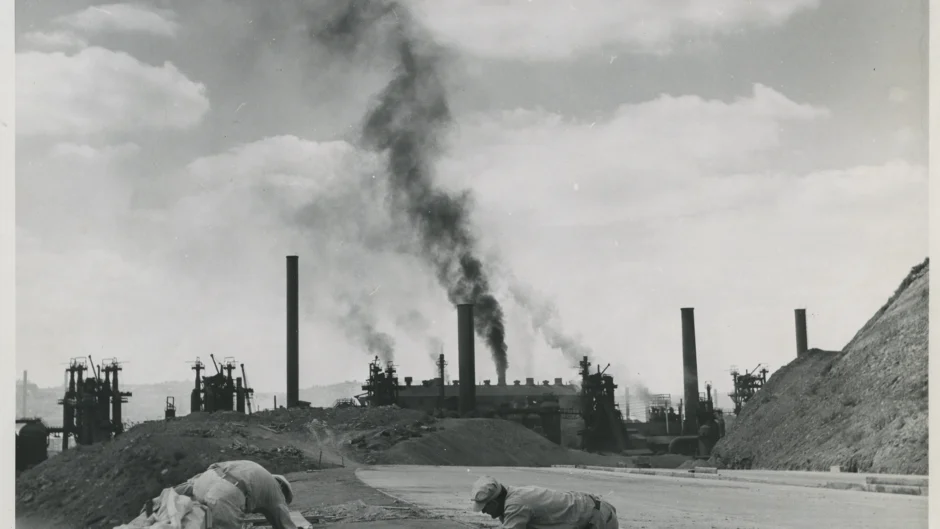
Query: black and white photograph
(583, 264)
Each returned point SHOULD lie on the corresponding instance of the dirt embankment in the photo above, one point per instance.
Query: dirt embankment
(863, 408)
(485, 442)
(106, 484)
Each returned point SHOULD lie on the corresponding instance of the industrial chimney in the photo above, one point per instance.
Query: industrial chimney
(466, 358)
(293, 333)
(690, 370)
(801, 342)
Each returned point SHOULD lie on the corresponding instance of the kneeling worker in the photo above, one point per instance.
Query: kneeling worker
(521, 507)
(232, 489)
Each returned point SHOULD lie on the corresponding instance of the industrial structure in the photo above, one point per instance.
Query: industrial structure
(169, 411)
(381, 386)
(538, 407)
(802, 344)
(466, 358)
(692, 428)
(696, 424)
(462, 397)
(604, 429)
(490, 398)
(663, 424)
(91, 406)
(746, 385)
(32, 443)
(293, 334)
(702, 423)
(219, 392)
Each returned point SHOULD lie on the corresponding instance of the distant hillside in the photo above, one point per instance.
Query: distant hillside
(864, 408)
(149, 400)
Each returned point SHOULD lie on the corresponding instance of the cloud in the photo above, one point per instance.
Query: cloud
(631, 165)
(104, 154)
(53, 41)
(556, 29)
(678, 201)
(240, 211)
(280, 161)
(122, 18)
(98, 90)
(202, 270)
(835, 241)
(75, 193)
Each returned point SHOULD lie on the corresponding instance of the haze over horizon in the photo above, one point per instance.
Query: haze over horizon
(624, 159)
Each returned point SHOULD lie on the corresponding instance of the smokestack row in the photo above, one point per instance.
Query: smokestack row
(465, 345)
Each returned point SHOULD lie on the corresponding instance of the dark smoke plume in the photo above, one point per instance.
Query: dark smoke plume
(359, 325)
(547, 322)
(410, 117)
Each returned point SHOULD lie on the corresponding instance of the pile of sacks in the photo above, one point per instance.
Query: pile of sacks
(170, 511)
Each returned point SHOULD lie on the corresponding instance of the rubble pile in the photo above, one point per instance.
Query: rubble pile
(863, 409)
(348, 419)
(287, 455)
(358, 511)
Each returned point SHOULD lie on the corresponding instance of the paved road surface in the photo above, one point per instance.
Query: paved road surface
(662, 502)
(777, 477)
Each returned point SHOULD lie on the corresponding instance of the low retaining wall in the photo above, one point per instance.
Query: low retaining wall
(914, 485)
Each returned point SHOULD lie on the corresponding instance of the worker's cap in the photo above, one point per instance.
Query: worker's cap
(484, 490)
(285, 488)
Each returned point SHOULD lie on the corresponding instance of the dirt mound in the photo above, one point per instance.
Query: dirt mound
(863, 408)
(107, 483)
(482, 442)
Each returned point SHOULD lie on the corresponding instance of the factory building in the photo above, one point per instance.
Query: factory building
(489, 397)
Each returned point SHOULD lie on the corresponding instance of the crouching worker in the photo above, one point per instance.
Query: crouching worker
(232, 489)
(522, 507)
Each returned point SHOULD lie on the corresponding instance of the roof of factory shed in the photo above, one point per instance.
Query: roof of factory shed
(492, 390)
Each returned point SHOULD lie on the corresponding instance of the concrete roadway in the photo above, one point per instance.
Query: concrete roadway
(662, 502)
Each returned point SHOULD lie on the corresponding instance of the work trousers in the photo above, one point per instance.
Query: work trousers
(605, 517)
(225, 503)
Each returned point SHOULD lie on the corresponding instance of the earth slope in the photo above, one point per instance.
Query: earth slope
(105, 484)
(863, 408)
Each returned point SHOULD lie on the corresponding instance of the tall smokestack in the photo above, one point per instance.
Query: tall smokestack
(293, 333)
(690, 369)
(801, 342)
(466, 357)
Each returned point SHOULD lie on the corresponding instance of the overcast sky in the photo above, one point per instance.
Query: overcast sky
(626, 159)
